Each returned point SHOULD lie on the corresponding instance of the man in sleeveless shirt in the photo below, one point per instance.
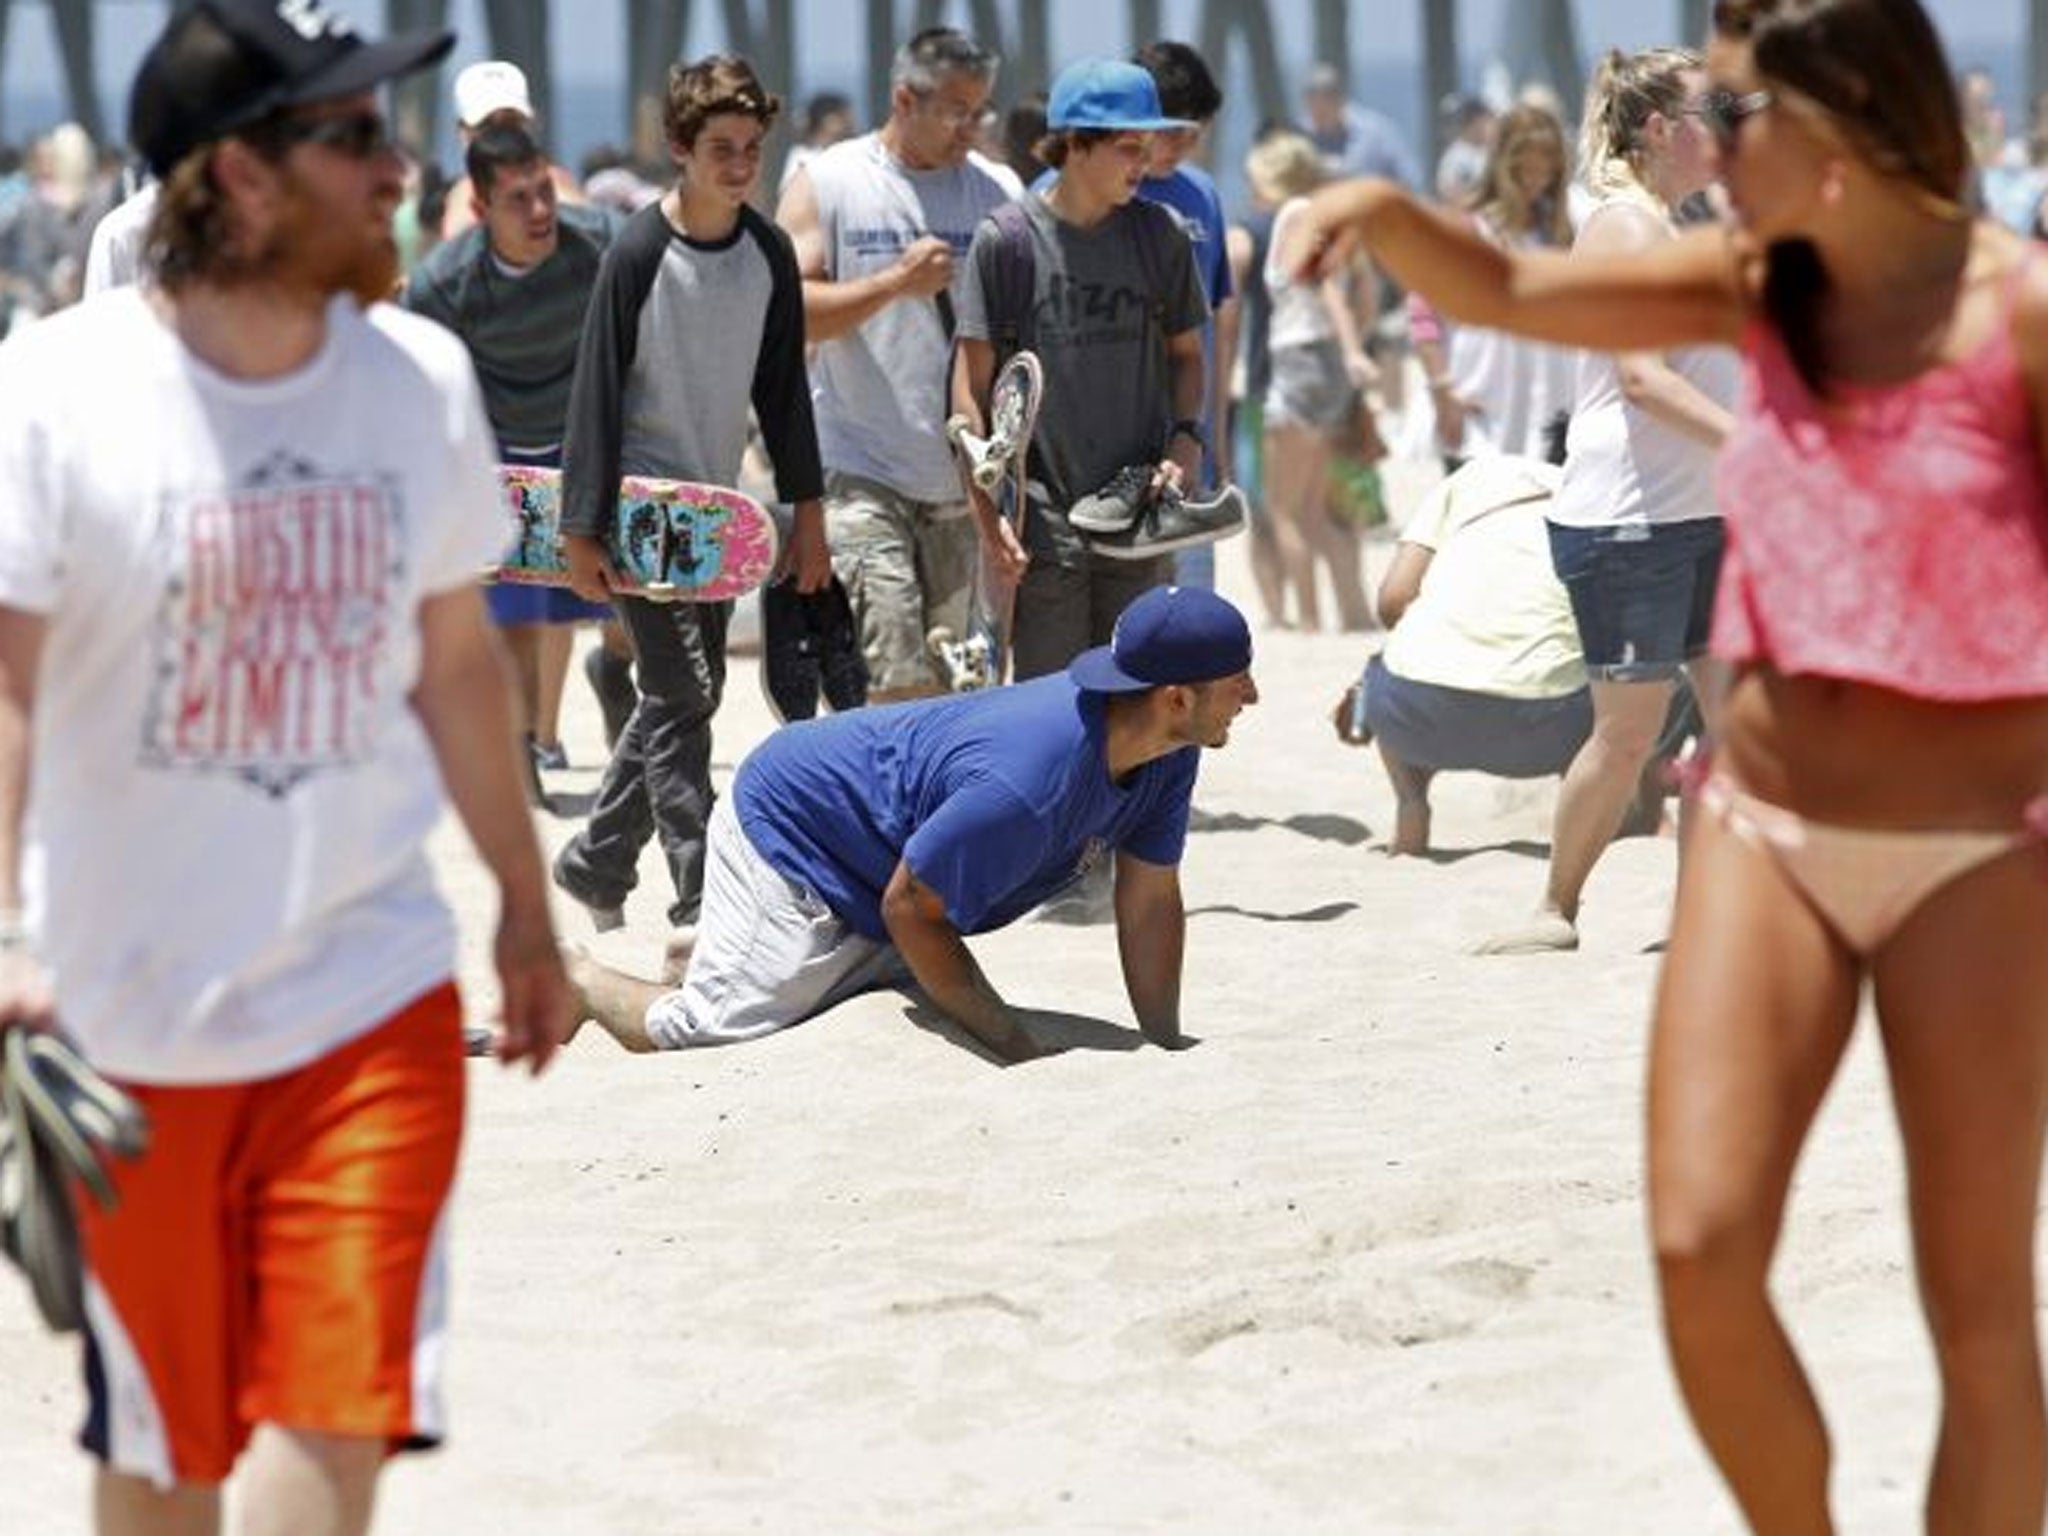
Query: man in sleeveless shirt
(879, 224)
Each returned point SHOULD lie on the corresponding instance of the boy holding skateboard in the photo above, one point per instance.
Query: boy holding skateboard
(515, 286)
(698, 294)
(242, 655)
(1115, 312)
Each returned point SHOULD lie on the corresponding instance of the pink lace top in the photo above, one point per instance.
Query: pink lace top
(1894, 535)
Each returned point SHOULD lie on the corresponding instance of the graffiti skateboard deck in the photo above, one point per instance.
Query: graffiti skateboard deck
(673, 541)
(995, 465)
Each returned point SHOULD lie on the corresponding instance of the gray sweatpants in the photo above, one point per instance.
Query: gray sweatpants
(769, 954)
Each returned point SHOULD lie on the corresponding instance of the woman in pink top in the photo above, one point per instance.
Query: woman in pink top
(1875, 811)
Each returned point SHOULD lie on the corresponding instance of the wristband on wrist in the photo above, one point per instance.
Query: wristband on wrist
(1187, 426)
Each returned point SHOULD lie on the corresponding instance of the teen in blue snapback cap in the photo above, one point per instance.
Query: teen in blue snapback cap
(1108, 94)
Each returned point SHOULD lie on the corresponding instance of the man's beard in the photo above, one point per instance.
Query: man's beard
(374, 276)
(302, 254)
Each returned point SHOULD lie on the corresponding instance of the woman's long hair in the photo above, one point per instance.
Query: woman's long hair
(1500, 196)
(1626, 91)
(1875, 68)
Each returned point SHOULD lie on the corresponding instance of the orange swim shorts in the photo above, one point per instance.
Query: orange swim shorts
(278, 1256)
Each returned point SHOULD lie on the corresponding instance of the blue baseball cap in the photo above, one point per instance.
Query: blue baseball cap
(1168, 635)
(1107, 93)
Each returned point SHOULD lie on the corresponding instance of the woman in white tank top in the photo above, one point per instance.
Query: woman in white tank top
(1632, 528)
(1491, 392)
(1318, 369)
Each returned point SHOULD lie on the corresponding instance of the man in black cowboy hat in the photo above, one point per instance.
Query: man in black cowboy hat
(242, 648)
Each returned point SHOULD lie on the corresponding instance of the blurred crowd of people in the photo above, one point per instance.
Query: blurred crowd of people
(1311, 388)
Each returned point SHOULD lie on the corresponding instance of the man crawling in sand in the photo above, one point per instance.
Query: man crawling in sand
(857, 852)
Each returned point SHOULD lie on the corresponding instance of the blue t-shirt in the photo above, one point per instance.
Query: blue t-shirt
(1191, 193)
(996, 800)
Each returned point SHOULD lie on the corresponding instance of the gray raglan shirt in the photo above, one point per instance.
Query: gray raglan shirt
(682, 336)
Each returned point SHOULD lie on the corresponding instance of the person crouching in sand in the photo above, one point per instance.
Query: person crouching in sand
(857, 852)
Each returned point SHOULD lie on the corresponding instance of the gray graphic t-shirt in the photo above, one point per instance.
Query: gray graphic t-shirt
(1104, 302)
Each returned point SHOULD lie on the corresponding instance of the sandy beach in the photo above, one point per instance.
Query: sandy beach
(1368, 1259)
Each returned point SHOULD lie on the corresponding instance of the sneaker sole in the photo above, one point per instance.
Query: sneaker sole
(1230, 496)
(1153, 547)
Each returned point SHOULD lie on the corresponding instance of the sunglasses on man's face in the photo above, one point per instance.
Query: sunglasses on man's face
(1724, 112)
(359, 135)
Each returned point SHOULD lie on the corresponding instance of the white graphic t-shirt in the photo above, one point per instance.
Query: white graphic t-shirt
(230, 792)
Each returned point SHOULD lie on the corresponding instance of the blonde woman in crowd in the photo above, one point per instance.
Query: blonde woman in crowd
(1492, 392)
(1634, 532)
(1317, 373)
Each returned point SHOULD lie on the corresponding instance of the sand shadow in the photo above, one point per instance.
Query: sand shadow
(1324, 828)
(1521, 847)
(1060, 1031)
(1329, 912)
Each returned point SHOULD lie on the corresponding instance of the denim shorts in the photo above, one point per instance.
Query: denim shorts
(1642, 594)
(1310, 388)
(1430, 726)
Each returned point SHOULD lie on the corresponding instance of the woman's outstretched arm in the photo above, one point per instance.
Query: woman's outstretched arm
(1693, 289)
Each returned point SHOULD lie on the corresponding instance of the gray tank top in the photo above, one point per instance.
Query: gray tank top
(880, 390)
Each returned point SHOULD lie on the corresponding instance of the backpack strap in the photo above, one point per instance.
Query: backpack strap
(1152, 259)
(1157, 223)
(1009, 297)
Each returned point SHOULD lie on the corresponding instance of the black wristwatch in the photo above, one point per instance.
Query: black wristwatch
(1188, 426)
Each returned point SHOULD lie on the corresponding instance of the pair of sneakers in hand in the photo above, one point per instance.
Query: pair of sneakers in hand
(810, 647)
(1133, 518)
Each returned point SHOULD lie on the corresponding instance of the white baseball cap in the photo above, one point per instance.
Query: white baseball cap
(485, 89)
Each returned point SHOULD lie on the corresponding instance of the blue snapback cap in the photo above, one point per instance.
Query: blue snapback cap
(1168, 635)
(1107, 93)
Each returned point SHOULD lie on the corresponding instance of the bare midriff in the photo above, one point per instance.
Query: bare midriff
(1856, 755)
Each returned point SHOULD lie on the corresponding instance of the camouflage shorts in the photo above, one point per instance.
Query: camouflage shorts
(906, 565)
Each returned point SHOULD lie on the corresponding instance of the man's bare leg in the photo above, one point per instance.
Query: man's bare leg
(550, 672)
(904, 695)
(132, 1506)
(615, 1002)
(300, 1482)
(522, 644)
(1411, 805)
